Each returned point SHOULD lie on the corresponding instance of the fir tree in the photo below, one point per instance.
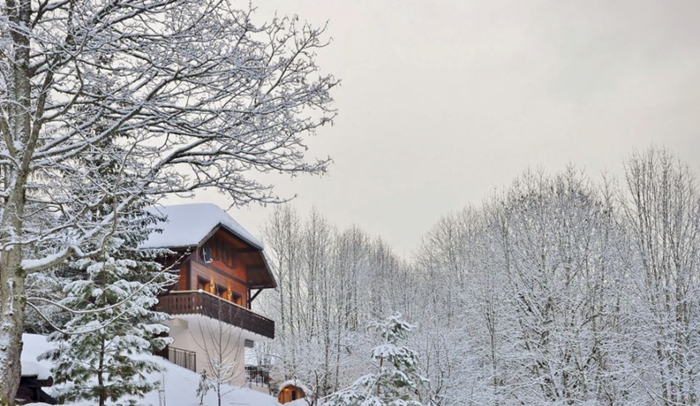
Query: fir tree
(96, 351)
(394, 382)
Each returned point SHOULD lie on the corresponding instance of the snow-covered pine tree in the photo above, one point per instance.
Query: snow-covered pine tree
(395, 381)
(96, 354)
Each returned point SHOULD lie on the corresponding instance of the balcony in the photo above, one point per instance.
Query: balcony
(198, 302)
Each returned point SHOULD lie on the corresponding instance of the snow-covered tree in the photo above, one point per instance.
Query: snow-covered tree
(526, 292)
(318, 307)
(557, 290)
(395, 379)
(220, 343)
(461, 342)
(48, 285)
(204, 386)
(97, 353)
(205, 95)
(662, 214)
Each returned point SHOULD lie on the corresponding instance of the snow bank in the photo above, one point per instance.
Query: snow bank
(188, 224)
(298, 402)
(180, 384)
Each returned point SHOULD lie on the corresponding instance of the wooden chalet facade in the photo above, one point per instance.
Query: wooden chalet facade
(222, 269)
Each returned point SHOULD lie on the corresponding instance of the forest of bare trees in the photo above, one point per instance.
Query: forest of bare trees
(557, 290)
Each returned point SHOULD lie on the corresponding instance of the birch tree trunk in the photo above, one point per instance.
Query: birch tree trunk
(17, 132)
(11, 316)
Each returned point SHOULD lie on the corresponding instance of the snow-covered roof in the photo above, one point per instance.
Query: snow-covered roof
(298, 384)
(188, 224)
(30, 368)
(31, 350)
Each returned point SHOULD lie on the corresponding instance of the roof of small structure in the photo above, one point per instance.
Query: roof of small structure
(298, 384)
(187, 225)
(33, 369)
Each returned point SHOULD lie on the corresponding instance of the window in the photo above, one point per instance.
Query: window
(225, 256)
(231, 257)
(206, 254)
(224, 253)
(232, 296)
(208, 286)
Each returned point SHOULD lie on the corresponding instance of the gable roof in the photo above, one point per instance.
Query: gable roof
(187, 225)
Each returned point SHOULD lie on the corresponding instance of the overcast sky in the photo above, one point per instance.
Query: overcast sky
(442, 102)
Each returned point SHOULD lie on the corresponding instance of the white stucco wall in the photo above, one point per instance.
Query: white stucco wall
(212, 339)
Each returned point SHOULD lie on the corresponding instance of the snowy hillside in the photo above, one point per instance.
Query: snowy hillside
(180, 383)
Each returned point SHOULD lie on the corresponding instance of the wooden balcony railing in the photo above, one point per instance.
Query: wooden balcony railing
(206, 304)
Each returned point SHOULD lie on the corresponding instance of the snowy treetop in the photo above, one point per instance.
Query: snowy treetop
(187, 225)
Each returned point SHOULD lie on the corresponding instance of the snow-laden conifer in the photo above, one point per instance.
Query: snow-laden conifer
(395, 379)
(97, 352)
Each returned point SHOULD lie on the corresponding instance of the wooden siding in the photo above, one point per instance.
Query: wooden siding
(232, 264)
(182, 282)
(227, 268)
(206, 272)
(290, 393)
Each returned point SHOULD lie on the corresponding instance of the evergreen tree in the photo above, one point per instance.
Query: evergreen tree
(96, 354)
(395, 381)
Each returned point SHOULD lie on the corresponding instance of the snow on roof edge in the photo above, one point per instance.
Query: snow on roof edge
(31, 368)
(298, 384)
(187, 225)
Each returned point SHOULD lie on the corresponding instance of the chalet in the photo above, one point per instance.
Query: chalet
(222, 270)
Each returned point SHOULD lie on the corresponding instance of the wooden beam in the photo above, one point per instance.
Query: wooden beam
(254, 296)
(188, 272)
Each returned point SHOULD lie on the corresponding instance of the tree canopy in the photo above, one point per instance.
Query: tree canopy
(177, 94)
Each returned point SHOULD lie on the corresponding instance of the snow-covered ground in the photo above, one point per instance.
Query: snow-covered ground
(298, 402)
(180, 383)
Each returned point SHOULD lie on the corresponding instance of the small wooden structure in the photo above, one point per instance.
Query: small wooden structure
(34, 378)
(292, 390)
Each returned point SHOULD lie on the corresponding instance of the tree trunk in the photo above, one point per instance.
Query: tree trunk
(100, 375)
(12, 297)
(12, 303)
